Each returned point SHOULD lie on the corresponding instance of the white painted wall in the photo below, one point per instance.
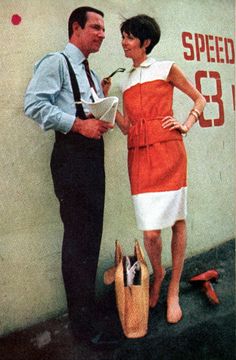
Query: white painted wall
(30, 229)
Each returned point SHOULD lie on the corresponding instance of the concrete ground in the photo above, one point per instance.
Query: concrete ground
(206, 332)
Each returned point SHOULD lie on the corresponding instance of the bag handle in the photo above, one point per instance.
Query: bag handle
(118, 253)
(139, 252)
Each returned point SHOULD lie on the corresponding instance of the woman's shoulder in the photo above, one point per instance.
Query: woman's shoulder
(160, 68)
(163, 64)
(150, 70)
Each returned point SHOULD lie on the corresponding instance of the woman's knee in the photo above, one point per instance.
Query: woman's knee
(179, 224)
(152, 236)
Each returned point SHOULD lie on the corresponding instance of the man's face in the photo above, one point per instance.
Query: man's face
(92, 35)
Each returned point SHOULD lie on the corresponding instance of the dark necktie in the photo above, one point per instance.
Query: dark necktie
(88, 73)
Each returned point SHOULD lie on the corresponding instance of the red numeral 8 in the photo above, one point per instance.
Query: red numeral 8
(214, 98)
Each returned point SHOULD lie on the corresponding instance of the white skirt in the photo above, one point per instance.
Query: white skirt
(158, 210)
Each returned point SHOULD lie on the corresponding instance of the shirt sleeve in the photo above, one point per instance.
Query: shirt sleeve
(42, 93)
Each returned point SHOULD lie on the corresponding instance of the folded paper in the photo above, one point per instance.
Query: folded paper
(102, 108)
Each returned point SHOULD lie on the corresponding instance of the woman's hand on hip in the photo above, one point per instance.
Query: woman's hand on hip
(169, 122)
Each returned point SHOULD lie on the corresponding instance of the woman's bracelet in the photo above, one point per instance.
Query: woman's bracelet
(196, 113)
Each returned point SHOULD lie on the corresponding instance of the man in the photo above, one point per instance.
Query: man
(77, 161)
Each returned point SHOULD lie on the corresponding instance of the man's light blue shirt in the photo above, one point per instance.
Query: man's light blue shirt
(49, 97)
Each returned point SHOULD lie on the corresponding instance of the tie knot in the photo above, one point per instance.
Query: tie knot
(86, 64)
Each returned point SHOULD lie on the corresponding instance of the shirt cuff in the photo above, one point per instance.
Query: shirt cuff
(66, 123)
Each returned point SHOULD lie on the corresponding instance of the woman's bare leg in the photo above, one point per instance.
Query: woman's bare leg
(153, 246)
(178, 246)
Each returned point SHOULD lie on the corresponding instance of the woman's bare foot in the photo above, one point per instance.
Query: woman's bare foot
(156, 287)
(174, 312)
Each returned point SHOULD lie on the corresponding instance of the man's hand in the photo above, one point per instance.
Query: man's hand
(91, 128)
(106, 84)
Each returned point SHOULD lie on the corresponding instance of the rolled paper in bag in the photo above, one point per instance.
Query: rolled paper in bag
(133, 300)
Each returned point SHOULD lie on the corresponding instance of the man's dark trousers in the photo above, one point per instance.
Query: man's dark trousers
(77, 166)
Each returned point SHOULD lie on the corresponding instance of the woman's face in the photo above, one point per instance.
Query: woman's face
(131, 47)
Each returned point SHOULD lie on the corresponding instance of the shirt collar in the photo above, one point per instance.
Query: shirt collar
(146, 63)
(75, 53)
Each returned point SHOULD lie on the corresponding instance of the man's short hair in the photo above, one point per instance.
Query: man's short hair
(80, 15)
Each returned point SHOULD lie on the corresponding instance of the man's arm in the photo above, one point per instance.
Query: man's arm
(42, 94)
(42, 99)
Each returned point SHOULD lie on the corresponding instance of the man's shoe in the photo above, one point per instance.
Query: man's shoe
(81, 332)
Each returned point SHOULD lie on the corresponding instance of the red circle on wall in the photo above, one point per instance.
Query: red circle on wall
(16, 19)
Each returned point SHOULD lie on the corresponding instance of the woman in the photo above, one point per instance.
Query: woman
(157, 160)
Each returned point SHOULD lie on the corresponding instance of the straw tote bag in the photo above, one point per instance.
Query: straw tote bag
(131, 277)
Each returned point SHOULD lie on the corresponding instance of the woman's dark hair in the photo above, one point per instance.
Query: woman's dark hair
(142, 27)
(80, 15)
